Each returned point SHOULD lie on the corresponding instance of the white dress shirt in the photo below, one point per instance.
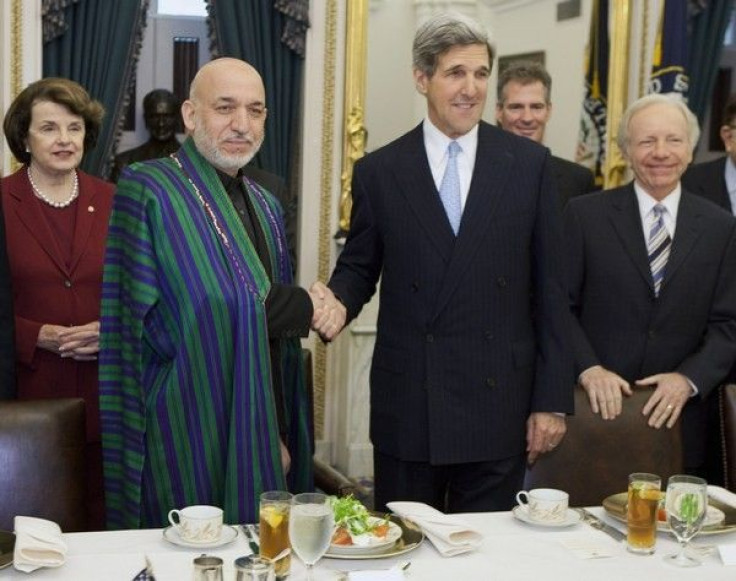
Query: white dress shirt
(436, 143)
(646, 205)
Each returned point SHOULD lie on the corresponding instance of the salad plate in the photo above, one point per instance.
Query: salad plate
(369, 544)
(411, 537)
(361, 534)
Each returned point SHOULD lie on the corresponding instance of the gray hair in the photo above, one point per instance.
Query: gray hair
(442, 32)
(671, 99)
(524, 73)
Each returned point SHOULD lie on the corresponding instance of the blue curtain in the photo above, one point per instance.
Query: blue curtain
(706, 44)
(99, 50)
(261, 33)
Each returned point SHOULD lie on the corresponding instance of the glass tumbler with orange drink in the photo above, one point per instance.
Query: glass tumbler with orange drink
(641, 514)
(274, 513)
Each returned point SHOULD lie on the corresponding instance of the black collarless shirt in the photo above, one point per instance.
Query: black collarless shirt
(288, 307)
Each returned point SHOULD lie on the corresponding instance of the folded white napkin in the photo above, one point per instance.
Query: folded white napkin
(37, 544)
(395, 574)
(449, 534)
(722, 495)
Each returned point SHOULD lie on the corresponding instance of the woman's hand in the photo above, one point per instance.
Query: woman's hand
(81, 342)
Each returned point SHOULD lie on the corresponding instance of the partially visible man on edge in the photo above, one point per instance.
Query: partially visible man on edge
(201, 390)
(653, 284)
(716, 180)
(471, 373)
(524, 107)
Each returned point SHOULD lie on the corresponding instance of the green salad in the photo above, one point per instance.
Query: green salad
(353, 516)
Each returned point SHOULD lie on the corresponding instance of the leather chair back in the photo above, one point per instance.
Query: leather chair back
(596, 456)
(42, 466)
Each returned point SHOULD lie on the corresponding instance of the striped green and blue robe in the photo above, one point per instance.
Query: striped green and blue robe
(187, 407)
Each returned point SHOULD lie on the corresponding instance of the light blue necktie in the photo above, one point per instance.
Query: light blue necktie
(658, 247)
(450, 187)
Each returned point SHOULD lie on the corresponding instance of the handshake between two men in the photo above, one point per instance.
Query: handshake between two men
(329, 313)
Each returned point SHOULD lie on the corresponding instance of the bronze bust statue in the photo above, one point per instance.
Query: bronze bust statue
(161, 114)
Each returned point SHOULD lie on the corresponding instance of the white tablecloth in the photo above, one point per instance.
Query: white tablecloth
(511, 551)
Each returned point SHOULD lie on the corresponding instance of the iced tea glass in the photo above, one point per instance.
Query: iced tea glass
(641, 513)
(274, 513)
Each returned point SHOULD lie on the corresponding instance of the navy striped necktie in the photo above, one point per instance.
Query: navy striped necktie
(658, 247)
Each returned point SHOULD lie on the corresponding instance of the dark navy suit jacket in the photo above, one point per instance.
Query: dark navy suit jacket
(709, 181)
(689, 328)
(472, 331)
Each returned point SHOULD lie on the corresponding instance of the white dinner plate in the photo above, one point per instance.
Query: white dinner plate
(375, 547)
(572, 517)
(229, 534)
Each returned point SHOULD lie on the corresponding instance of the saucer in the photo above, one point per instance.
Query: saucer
(229, 534)
(572, 517)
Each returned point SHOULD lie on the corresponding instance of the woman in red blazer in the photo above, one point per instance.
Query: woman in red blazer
(56, 224)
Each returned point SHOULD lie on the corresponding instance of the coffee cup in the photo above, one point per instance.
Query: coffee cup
(197, 524)
(545, 505)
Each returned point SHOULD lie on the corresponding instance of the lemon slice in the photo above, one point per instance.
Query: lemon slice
(272, 516)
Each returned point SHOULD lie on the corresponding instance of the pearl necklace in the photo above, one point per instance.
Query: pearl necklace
(44, 198)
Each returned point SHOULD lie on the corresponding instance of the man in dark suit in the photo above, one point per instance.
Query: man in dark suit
(471, 373)
(653, 282)
(524, 107)
(7, 339)
(716, 180)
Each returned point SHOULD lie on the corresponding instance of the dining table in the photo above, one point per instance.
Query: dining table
(510, 550)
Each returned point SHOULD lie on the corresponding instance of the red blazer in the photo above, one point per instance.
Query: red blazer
(46, 291)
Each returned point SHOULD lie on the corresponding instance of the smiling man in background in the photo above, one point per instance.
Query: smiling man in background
(524, 107)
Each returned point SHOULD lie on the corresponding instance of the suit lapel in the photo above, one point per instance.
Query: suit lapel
(85, 220)
(492, 169)
(626, 221)
(687, 232)
(28, 211)
(418, 186)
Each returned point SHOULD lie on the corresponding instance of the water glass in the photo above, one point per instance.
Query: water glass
(686, 506)
(311, 526)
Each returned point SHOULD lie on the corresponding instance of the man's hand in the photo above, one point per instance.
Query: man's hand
(670, 396)
(329, 314)
(285, 457)
(604, 389)
(544, 431)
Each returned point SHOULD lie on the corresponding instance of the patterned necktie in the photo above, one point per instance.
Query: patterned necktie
(450, 187)
(658, 247)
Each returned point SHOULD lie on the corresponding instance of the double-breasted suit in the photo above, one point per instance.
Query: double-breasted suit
(472, 333)
(620, 324)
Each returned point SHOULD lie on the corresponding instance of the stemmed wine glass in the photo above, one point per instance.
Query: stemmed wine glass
(686, 504)
(311, 526)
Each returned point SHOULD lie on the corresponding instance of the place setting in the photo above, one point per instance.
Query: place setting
(199, 527)
(545, 507)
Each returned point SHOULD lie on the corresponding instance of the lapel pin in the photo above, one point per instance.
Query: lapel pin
(90, 208)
